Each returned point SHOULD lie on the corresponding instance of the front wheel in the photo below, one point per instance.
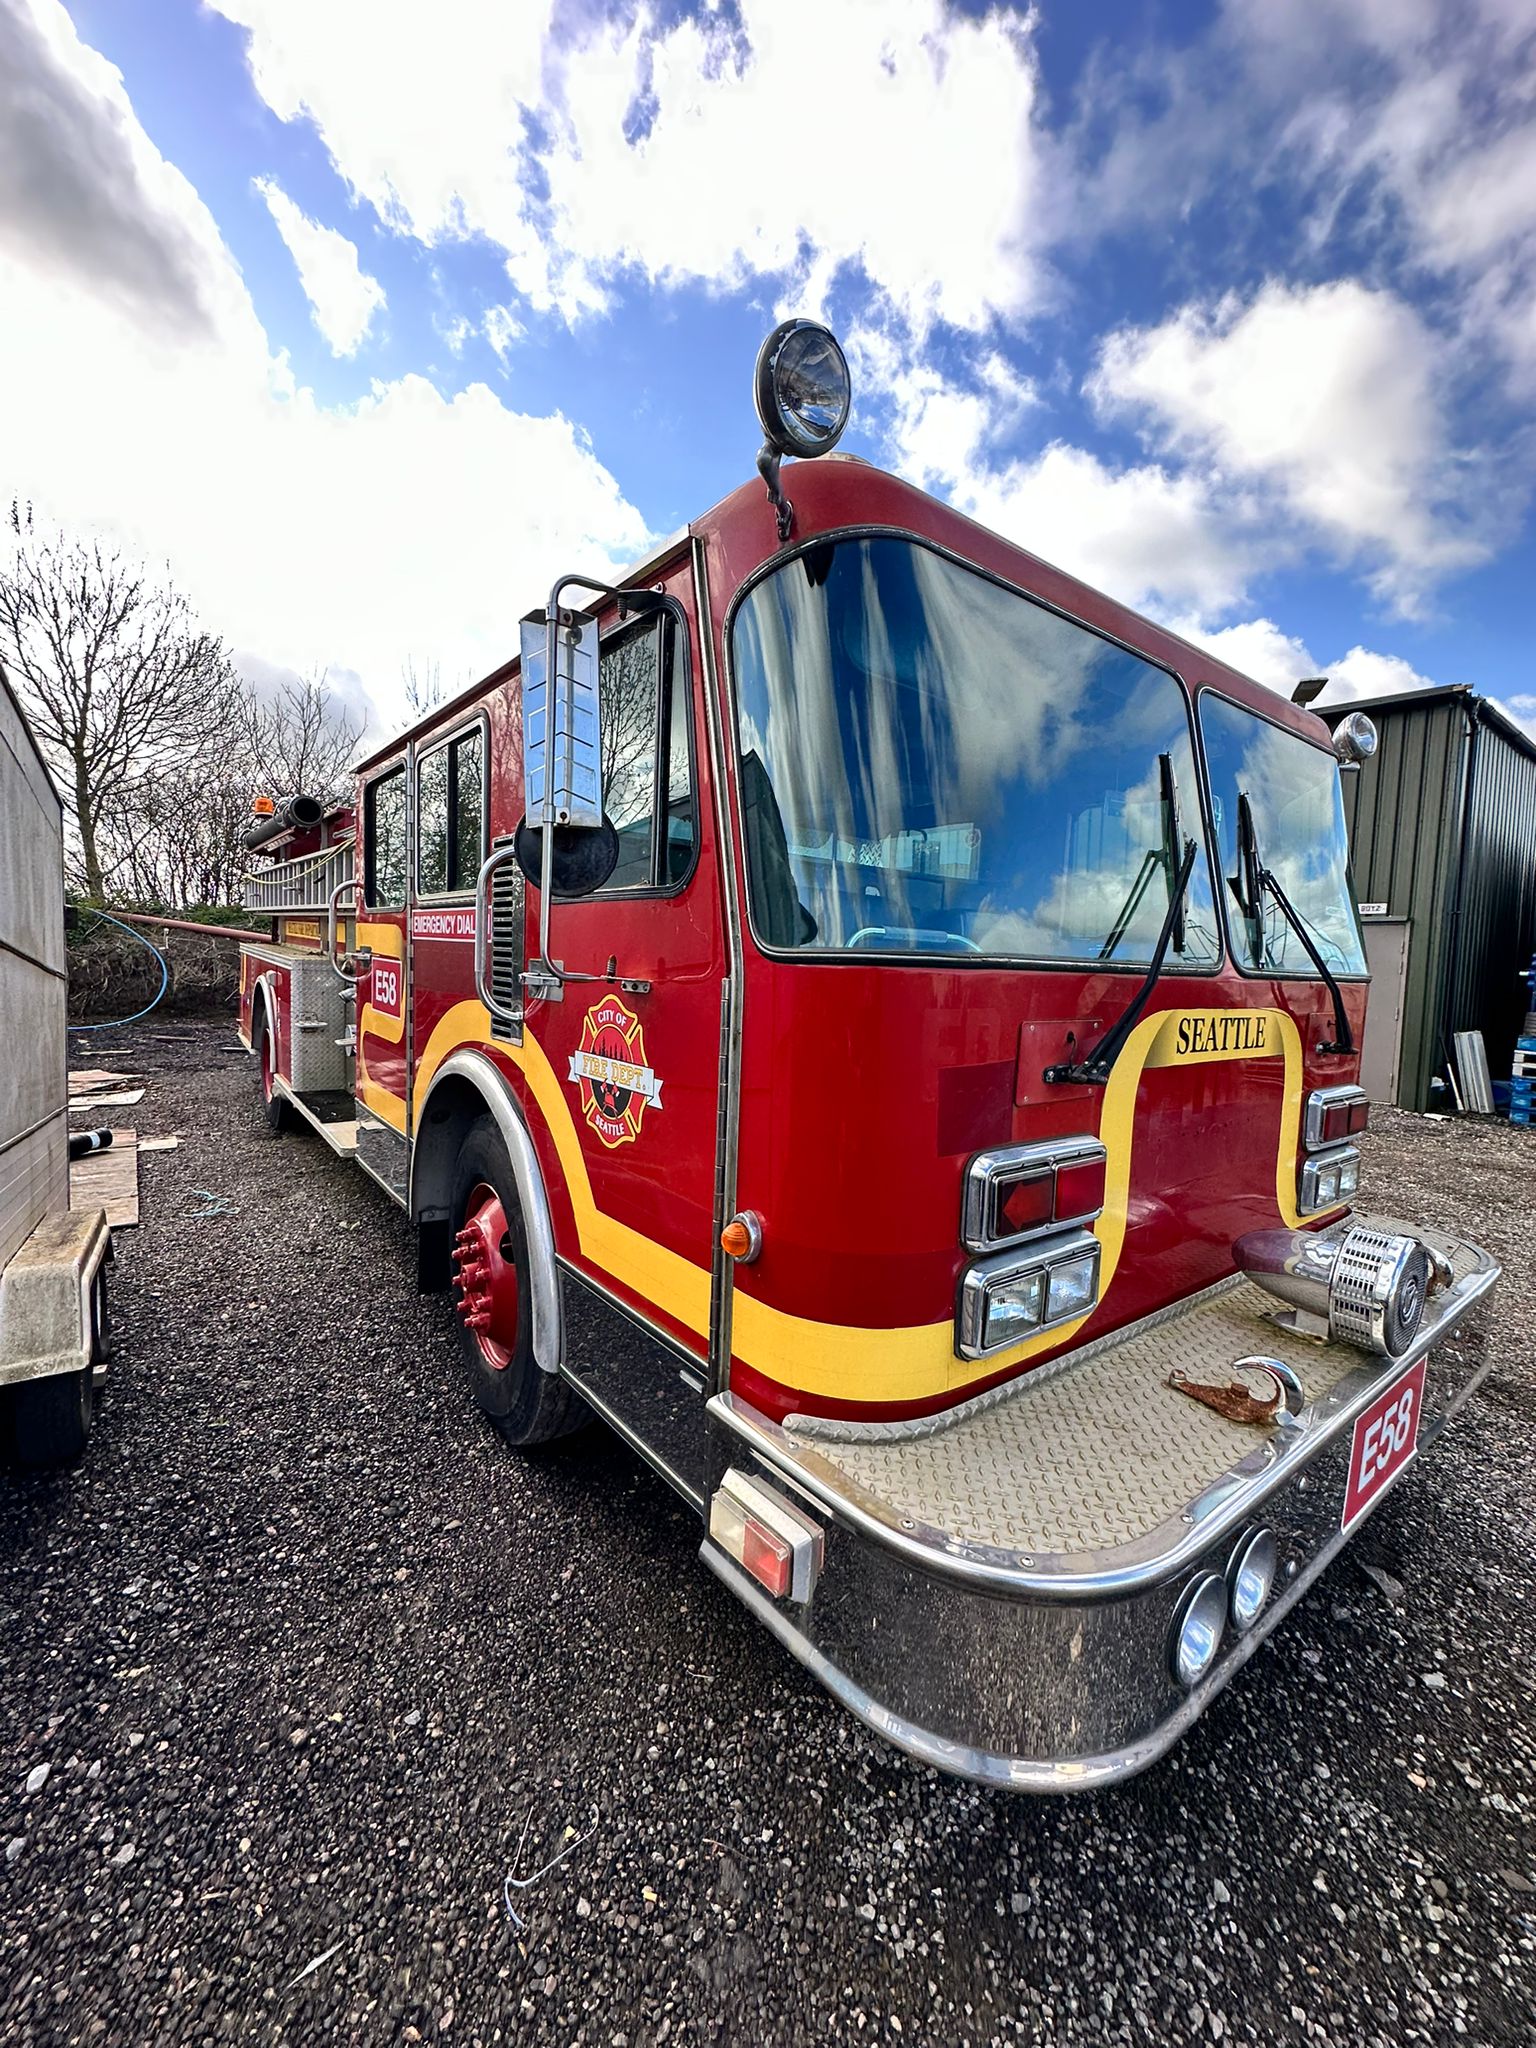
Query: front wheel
(490, 1259)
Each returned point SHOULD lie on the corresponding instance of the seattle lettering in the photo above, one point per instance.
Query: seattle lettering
(1236, 1031)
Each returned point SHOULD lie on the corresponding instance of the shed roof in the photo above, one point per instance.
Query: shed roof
(1486, 709)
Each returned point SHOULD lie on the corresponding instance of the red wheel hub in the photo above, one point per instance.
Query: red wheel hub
(485, 1276)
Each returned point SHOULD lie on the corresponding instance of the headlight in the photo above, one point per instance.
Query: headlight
(1328, 1178)
(1197, 1629)
(1019, 1293)
(802, 388)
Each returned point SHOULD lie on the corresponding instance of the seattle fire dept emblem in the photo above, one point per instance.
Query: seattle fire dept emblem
(615, 1082)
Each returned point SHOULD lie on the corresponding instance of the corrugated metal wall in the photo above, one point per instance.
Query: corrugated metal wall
(1497, 926)
(1404, 815)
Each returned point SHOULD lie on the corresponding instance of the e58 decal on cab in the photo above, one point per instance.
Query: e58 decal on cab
(615, 1082)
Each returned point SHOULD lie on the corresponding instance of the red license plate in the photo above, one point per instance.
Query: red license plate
(1386, 1437)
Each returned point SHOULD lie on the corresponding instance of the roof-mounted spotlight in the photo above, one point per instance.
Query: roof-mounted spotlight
(803, 393)
(1354, 739)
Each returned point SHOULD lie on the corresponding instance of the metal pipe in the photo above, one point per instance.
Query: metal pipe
(181, 924)
(298, 814)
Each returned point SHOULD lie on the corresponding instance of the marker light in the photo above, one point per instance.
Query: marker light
(1250, 1576)
(742, 1237)
(262, 807)
(1197, 1629)
(802, 388)
(773, 1542)
(1018, 1191)
(1334, 1114)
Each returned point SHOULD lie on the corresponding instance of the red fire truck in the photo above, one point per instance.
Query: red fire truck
(877, 1022)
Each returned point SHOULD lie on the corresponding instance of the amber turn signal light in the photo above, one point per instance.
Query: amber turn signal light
(742, 1238)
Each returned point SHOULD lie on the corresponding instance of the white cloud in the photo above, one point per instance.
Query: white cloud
(1254, 647)
(790, 139)
(342, 296)
(501, 328)
(1328, 395)
(309, 536)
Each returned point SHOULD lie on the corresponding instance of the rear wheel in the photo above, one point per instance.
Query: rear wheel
(490, 1259)
(274, 1105)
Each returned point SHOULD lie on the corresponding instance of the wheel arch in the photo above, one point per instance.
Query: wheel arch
(266, 1011)
(465, 1087)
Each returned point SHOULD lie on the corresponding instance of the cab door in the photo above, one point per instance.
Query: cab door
(635, 1058)
(381, 993)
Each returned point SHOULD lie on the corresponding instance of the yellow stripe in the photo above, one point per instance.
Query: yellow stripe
(846, 1360)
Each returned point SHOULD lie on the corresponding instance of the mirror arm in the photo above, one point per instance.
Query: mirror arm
(544, 977)
(768, 460)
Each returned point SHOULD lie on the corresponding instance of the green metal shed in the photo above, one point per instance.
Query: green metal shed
(1442, 832)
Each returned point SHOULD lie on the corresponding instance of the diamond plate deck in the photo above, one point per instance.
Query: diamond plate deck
(1097, 1453)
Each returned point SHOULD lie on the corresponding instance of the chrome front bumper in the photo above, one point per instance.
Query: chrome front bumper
(1049, 1671)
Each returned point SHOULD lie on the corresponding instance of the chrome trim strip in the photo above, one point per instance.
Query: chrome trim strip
(548, 1334)
(732, 992)
(620, 1427)
(1233, 1497)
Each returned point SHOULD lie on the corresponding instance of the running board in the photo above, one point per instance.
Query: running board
(341, 1136)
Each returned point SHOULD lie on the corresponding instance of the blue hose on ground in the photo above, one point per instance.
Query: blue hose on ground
(116, 1023)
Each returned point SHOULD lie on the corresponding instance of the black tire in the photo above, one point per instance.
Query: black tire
(274, 1107)
(526, 1404)
(51, 1418)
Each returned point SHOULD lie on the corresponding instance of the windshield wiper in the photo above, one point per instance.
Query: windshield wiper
(1259, 880)
(1096, 1066)
(1164, 857)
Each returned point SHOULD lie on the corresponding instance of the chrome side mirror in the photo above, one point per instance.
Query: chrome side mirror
(562, 719)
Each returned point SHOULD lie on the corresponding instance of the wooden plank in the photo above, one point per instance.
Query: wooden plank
(109, 1180)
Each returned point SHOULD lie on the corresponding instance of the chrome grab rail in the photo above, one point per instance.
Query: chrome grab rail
(496, 858)
(338, 968)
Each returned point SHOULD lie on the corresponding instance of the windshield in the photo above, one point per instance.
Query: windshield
(1297, 809)
(931, 763)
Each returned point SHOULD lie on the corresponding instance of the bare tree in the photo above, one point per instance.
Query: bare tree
(302, 740)
(117, 676)
(424, 687)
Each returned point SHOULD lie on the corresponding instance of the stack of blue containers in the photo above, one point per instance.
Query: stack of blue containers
(1522, 1086)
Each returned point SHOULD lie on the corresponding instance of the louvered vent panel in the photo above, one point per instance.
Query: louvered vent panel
(508, 950)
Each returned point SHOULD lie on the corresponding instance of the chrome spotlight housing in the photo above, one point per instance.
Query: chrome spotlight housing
(1367, 1287)
(802, 388)
(1354, 739)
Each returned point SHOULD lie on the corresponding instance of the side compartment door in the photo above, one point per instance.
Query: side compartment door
(634, 1070)
(382, 993)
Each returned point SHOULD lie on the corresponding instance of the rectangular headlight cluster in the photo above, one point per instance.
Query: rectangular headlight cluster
(1334, 1114)
(1329, 1178)
(1020, 1191)
(1006, 1299)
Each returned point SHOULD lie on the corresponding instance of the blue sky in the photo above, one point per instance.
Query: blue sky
(368, 317)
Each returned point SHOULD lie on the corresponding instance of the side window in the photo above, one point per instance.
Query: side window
(450, 815)
(384, 819)
(647, 761)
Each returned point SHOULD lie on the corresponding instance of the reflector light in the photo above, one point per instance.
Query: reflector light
(1250, 1576)
(1024, 1204)
(1021, 1191)
(742, 1238)
(767, 1557)
(773, 1542)
(1333, 1114)
(1079, 1189)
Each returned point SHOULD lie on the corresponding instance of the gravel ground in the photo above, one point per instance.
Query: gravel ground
(301, 1652)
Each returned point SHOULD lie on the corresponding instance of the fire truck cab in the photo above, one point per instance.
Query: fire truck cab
(877, 1022)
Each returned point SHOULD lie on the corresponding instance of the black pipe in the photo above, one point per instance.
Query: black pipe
(299, 814)
(81, 1142)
